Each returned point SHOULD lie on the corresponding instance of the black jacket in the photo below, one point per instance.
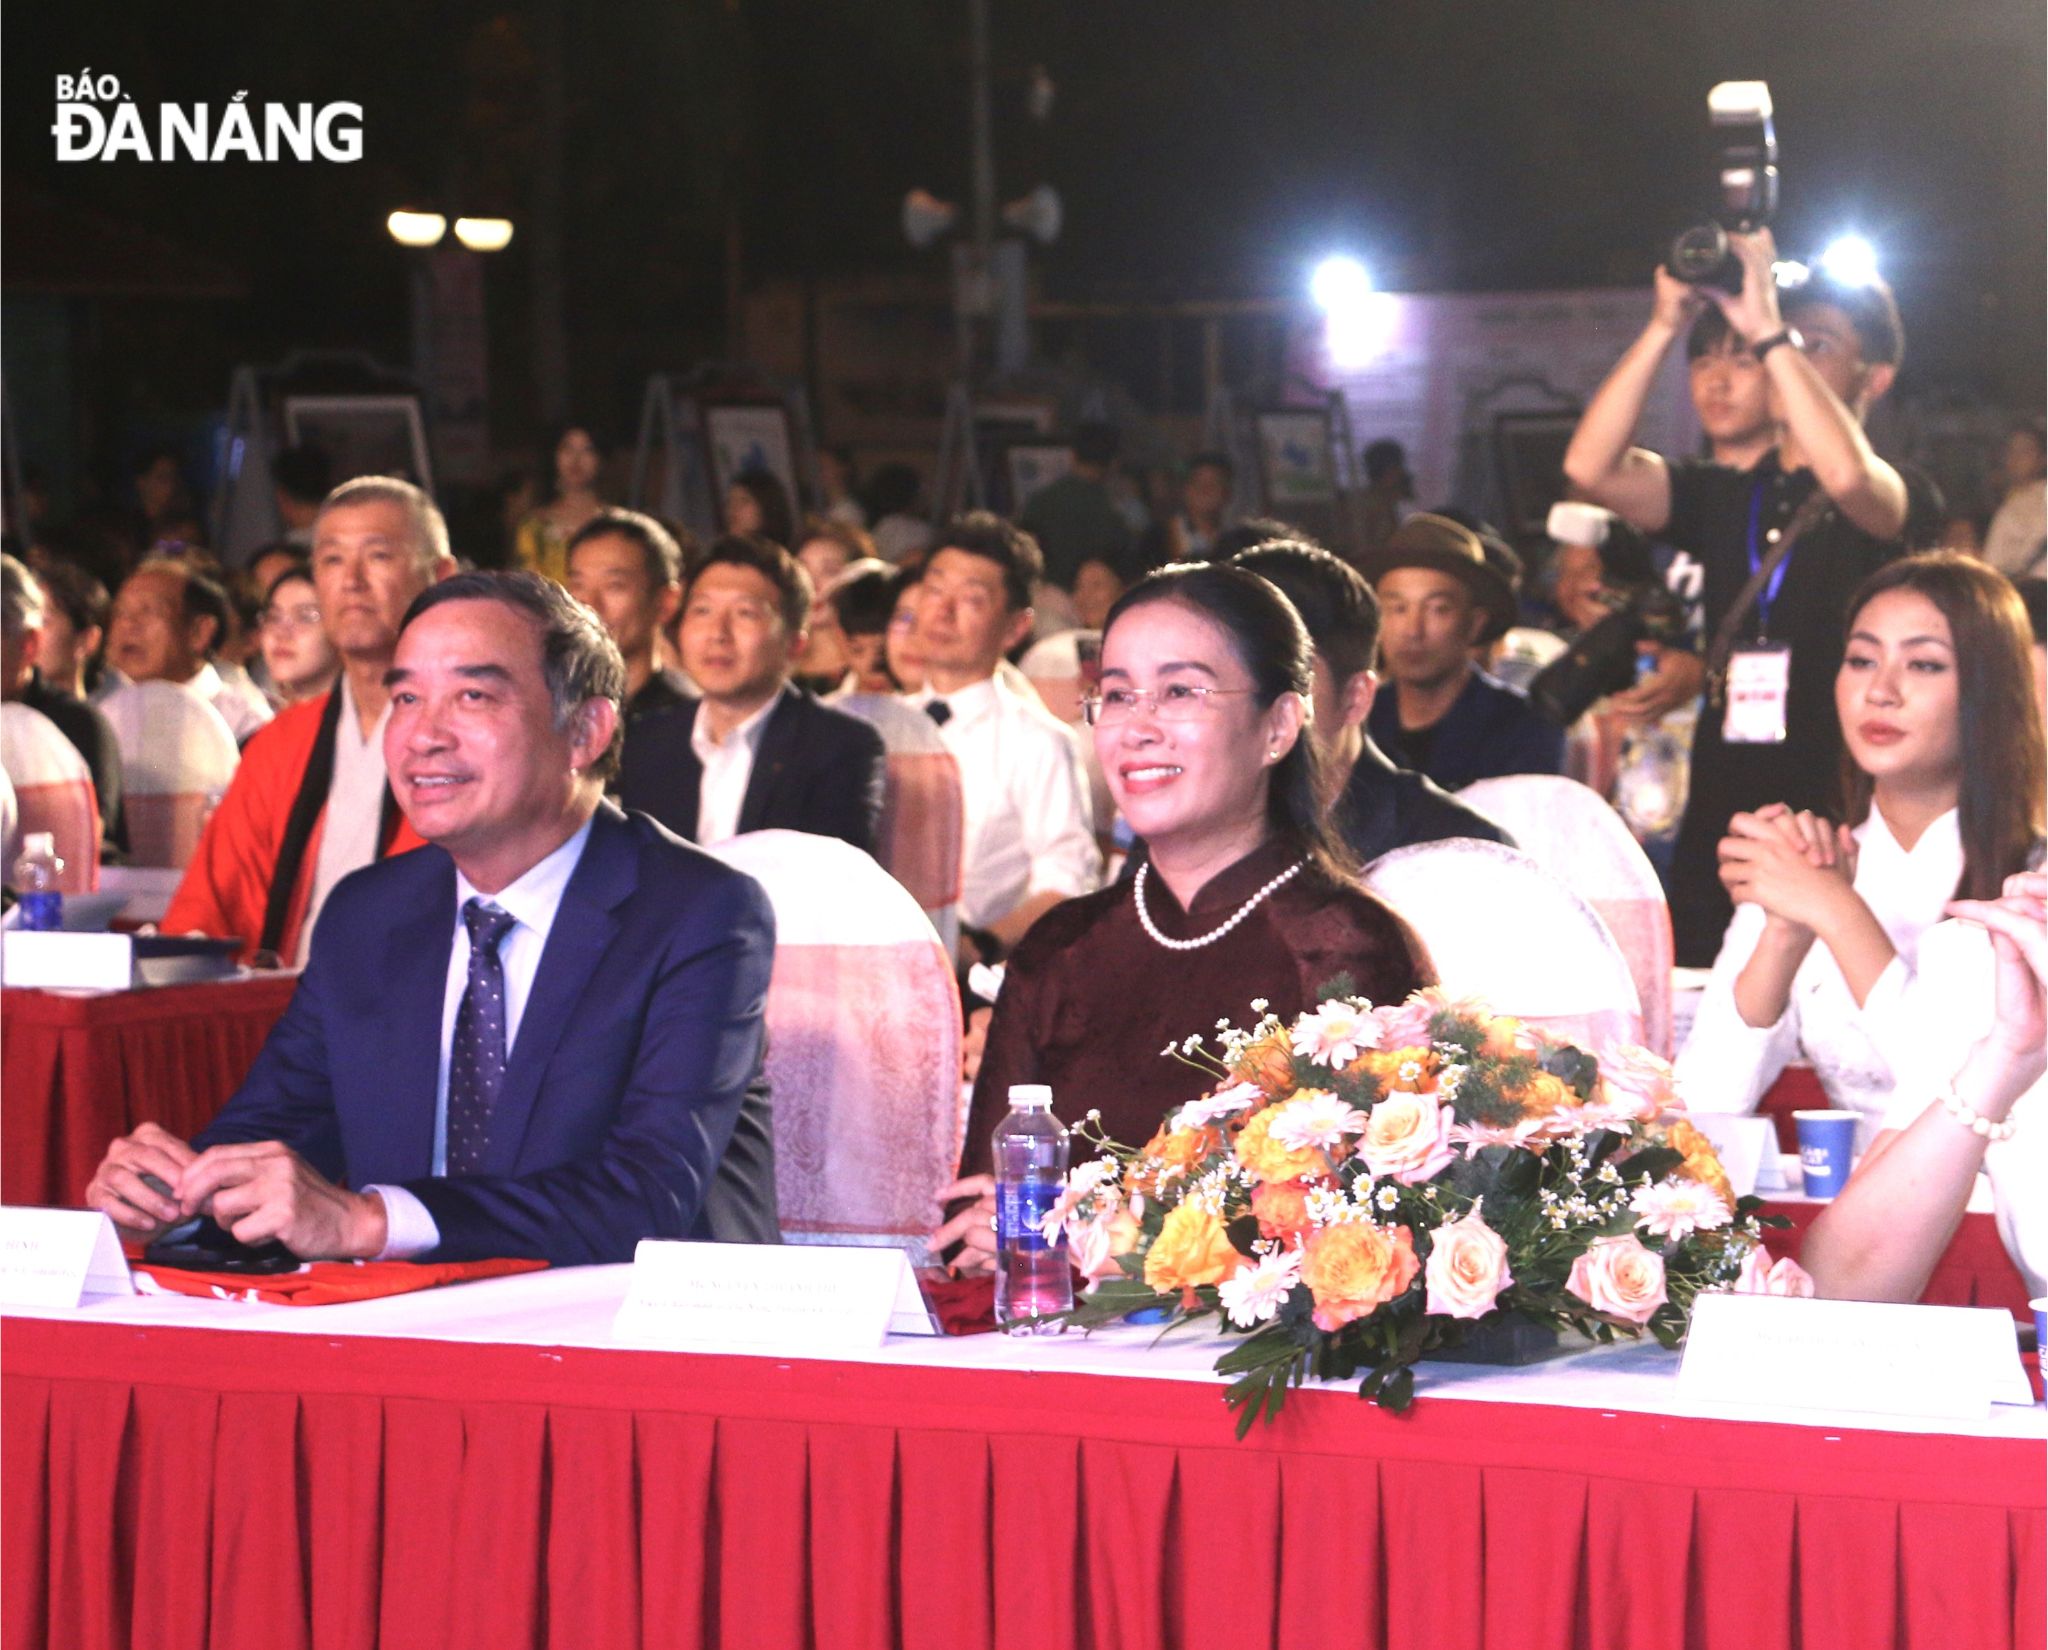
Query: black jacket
(816, 769)
(1384, 807)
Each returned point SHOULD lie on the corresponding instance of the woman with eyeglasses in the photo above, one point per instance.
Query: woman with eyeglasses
(1201, 727)
(299, 662)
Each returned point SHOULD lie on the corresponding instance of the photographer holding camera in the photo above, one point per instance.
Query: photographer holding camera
(1782, 545)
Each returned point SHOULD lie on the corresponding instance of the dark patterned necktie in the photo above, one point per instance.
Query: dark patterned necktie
(476, 1058)
(939, 711)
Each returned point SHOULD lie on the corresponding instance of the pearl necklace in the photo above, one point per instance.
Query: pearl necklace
(1145, 917)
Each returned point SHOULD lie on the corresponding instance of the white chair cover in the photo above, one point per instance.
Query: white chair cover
(923, 829)
(53, 791)
(177, 757)
(863, 1045)
(1501, 927)
(1579, 838)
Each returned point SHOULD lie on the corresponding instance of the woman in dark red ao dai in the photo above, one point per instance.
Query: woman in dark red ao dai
(1245, 893)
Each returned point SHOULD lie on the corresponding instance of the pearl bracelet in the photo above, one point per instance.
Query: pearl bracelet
(1973, 1119)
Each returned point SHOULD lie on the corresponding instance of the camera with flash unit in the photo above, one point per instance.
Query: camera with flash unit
(1746, 173)
(1602, 659)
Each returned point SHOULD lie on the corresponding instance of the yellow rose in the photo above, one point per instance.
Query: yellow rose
(1266, 1158)
(1353, 1270)
(1702, 1162)
(1191, 1249)
(1544, 1094)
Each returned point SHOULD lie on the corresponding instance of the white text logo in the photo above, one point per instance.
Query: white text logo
(97, 121)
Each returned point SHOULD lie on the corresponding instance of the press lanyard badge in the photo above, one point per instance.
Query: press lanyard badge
(1759, 678)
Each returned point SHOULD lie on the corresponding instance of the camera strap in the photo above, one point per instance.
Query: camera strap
(1815, 506)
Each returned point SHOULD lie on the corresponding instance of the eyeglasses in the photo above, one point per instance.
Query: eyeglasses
(306, 617)
(1176, 702)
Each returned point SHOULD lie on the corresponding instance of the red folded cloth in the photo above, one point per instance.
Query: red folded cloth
(965, 1306)
(327, 1282)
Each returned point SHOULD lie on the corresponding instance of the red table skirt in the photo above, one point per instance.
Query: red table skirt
(173, 1488)
(76, 1072)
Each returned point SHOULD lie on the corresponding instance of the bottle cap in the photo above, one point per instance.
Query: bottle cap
(1033, 1095)
(45, 842)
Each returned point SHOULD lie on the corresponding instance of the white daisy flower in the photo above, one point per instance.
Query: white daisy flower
(1255, 1293)
(1336, 1033)
(1211, 1107)
(1316, 1120)
(1677, 1208)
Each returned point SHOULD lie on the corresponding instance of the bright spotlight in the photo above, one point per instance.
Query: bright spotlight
(416, 228)
(1340, 283)
(1851, 260)
(484, 234)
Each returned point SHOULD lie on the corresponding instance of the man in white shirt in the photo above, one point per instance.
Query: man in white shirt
(1030, 830)
(538, 1036)
(167, 620)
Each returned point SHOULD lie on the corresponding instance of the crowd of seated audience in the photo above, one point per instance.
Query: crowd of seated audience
(1165, 807)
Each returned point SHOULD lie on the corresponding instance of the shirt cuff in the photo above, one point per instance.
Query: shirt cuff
(409, 1229)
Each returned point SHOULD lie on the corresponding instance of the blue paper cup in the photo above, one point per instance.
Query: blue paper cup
(1827, 1149)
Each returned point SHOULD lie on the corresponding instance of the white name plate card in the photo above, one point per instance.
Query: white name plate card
(68, 962)
(1777, 1352)
(1747, 1148)
(756, 1297)
(59, 1257)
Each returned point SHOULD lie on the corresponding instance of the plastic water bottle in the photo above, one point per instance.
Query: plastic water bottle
(35, 881)
(1032, 1279)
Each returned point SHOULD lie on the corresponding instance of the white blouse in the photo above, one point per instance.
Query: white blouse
(1728, 1064)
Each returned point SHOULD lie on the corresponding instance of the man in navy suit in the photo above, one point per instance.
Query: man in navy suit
(536, 1036)
(754, 753)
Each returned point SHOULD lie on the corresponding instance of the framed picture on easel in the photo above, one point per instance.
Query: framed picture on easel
(363, 435)
(747, 436)
(1297, 457)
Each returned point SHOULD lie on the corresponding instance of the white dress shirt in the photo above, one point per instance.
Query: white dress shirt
(1727, 1064)
(349, 827)
(728, 764)
(1029, 823)
(533, 899)
(243, 709)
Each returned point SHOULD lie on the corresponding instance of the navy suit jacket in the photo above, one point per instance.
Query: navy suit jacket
(632, 1105)
(816, 769)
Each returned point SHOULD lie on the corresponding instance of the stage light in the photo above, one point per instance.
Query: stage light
(484, 234)
(1340, 284)
(1851, 260)
(416, 228)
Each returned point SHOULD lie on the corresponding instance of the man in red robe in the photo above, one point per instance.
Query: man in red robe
(310, 802)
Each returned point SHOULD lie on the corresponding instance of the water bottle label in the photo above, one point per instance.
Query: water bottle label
(1020, 1213)
(43, 910)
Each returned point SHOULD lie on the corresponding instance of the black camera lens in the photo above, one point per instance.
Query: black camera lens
(1699, 252)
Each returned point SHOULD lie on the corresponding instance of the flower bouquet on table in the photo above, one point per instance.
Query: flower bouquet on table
(1370, 1184)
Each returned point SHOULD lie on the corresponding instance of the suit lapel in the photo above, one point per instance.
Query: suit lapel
(779, 739)
(411, 992)
(583, 931)
(689, 779)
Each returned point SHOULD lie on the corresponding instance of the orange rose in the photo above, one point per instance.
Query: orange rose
(1544, 1094)
(1266, 1158)
(1267, 1063)
(1183, 1149)
(1354, 1269)
(1191, 1249)
(1505, 1038)
(1282, 1208)
(1702, 1162)
(1386, 1064)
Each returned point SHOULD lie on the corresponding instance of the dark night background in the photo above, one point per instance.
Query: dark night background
(1203, 148)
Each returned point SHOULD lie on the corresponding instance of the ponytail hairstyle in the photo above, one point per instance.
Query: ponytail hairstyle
(1272, 644)
(1999, 800)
